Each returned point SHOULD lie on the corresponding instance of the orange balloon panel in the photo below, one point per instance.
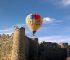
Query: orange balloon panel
(34, 21)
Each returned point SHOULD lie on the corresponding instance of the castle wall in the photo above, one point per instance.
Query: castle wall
(25, 48)
(33, 51)
(51, 53)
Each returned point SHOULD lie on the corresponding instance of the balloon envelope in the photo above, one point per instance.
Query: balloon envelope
(34, 21)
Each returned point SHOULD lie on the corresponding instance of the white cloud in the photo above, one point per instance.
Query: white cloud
(61, 3)
(6, 31)
(66, 2)
(10, 30)
(57, 39)
(50, 20)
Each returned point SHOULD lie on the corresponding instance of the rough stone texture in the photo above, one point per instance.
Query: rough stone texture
(18, 48)
(5, 47)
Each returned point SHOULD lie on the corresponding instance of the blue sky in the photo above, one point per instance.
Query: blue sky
(55, 13)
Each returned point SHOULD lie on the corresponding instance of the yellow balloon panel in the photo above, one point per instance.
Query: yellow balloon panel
(33, 24)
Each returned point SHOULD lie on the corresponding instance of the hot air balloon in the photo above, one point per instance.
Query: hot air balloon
(34, 21)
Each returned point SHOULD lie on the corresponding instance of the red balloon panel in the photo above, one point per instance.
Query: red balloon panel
(36, 17)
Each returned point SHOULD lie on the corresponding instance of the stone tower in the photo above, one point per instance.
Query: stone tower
(33, 49)
(19, 43)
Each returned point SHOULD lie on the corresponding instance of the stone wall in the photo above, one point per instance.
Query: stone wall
(5, 47)
(18, 46)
